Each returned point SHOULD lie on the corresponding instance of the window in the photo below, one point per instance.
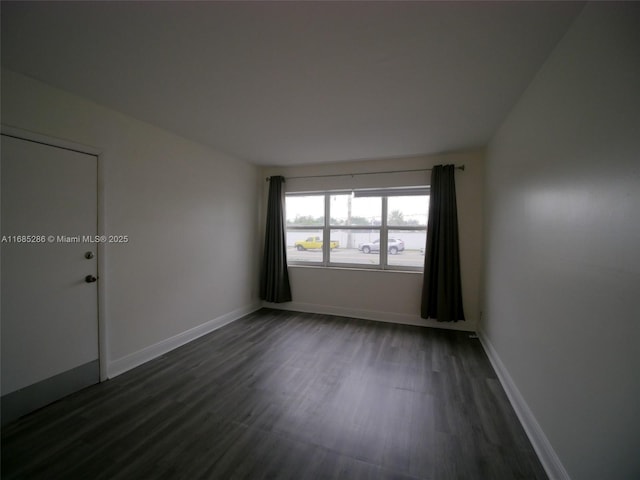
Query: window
(381, 229)
(305, 228)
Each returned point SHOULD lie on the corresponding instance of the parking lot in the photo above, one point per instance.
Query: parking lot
(407, 258)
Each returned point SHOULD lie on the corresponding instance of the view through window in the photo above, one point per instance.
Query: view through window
(380, 229)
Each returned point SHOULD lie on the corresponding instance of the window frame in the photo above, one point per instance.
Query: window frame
(383, 229)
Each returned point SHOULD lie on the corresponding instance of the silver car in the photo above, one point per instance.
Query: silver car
(395, 245)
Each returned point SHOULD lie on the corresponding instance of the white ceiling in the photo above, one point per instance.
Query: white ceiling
(285, 83)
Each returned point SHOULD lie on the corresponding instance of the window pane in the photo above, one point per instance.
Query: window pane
(406, 211)
(406, 248)
(305, 210)
(355, 246)
(304, 245)
(347, 210)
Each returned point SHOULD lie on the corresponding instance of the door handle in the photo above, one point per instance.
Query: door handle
(90, 279)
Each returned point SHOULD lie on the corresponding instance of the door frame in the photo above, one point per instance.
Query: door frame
(19, 133)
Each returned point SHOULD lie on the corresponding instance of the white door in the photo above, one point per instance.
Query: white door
(49, 304)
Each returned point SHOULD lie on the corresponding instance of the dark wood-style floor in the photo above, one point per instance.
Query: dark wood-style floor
(286, 395)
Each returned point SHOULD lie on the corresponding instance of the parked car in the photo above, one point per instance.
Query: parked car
(394, 246)
(313, 243)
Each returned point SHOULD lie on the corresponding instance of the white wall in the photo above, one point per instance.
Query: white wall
(562, 260)
(190, 214)
(389, 296)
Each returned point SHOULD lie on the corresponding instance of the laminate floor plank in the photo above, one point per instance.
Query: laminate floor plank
(283, 395)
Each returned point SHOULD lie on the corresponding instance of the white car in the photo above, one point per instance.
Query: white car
(395, 245)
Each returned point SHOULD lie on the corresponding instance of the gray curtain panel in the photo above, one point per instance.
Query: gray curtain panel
(442, 289)
(274, 281)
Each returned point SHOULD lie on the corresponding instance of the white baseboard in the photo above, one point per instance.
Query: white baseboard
(547, 455)
(389, 317)
(121, 365)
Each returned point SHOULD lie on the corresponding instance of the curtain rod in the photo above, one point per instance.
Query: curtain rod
(458, 167)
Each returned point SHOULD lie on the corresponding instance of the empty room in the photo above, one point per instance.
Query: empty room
(320, 240)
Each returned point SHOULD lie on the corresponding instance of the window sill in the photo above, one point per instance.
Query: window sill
(351, 269)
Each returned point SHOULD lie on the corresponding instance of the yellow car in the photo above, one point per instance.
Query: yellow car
(313, 243)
